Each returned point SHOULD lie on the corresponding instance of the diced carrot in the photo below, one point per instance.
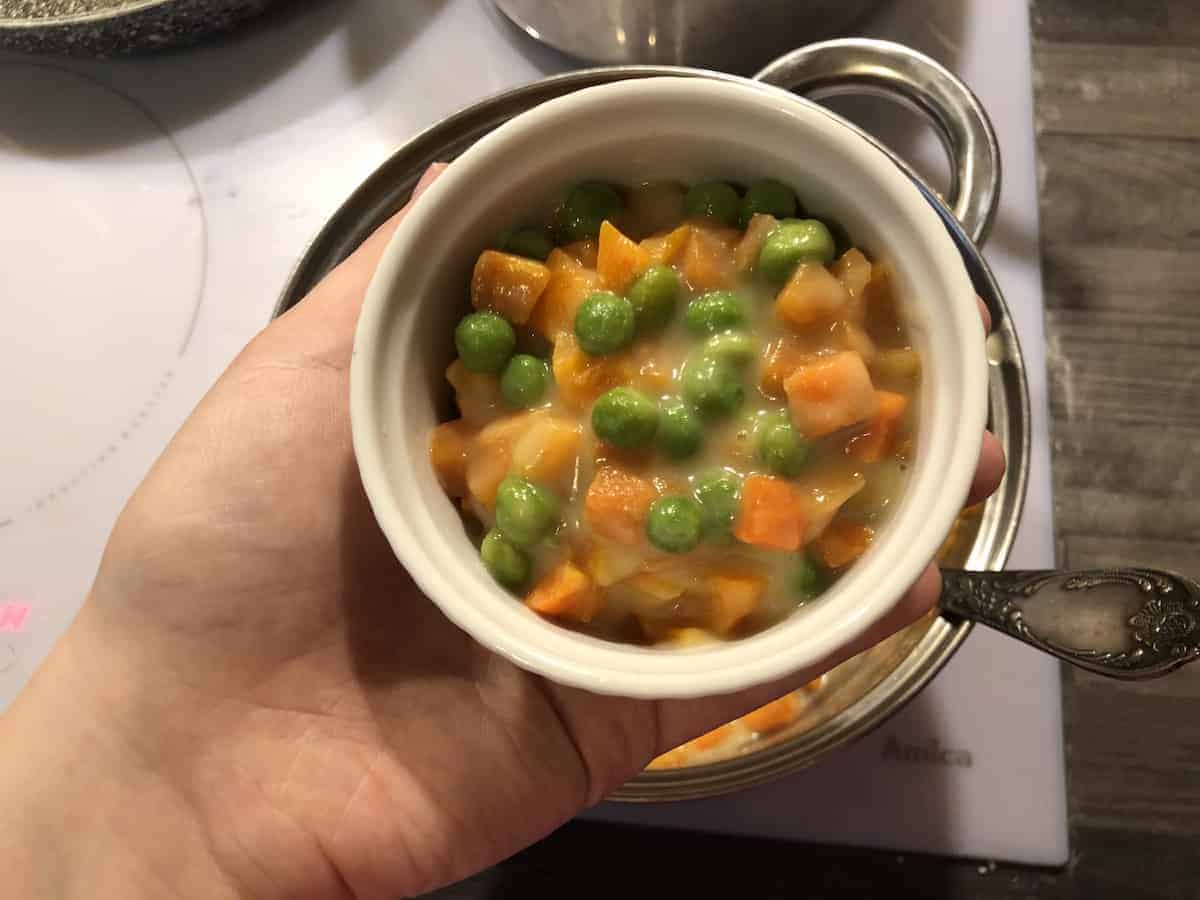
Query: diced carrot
(732, 599)
(707, 261)
(548, 451)
(876, 442)
(783, 357)
(448, 445)
(853, 270)
(810, 296)
(566, 592)
(508, 284)
(770, 514)
(842, 543)
(748, 248)
(584, 252)
(616, 504)
(580, 377)
(775, 716)
(619, 260)
(664, 248)
(477, 394)
(569, 285)
(850, 336)
(490, 456)
(829, 393)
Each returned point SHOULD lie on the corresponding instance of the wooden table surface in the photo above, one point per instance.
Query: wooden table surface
(1118, 115)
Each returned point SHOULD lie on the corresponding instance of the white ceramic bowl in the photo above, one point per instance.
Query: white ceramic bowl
(628, 131)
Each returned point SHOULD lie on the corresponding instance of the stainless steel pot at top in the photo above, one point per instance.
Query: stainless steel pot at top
(727, 35)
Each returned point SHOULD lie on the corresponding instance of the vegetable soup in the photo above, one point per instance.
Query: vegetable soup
(682, 412)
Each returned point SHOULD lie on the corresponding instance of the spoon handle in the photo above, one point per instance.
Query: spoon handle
(1125, 623)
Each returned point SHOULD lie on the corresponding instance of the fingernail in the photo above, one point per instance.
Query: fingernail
(428, 177)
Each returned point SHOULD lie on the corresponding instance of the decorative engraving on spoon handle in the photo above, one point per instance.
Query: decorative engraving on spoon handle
(1125, 623)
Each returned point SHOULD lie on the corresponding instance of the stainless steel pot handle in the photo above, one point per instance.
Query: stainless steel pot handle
(899, 73)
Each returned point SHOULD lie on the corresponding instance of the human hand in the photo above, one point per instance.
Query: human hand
(271, 708)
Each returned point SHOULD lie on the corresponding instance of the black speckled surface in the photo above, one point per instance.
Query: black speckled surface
(113, 27)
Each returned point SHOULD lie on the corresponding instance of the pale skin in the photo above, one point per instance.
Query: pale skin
(256, 702)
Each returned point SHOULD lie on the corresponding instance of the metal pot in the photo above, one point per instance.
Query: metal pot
(727, 35)
(107, 27)
(863, 692)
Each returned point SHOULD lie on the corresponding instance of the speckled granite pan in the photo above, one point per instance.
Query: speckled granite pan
(108, 27)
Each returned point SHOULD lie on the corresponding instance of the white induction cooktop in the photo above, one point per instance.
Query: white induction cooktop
(153, 209)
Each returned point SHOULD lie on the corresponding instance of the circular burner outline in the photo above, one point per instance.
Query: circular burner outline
(132, 423)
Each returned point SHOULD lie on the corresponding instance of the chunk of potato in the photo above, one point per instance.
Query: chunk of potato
(853, 270)
(771, 514)
(608, 563)
(811, 295)
(508, 284)
(548, 452)
(746, 254)
(783, 357)
(829, 393)
(566, 592)
(617, 503)
(733, 598)
(665, 248)
(823, 492)
(848, 335)
(619, 260)
(707, 262)
(448, 446)
(490, 456)
(581, 378)
(477, 394)
(569, 285)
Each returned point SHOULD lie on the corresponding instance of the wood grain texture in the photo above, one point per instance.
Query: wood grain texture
(1116, 88)
(1119, 151)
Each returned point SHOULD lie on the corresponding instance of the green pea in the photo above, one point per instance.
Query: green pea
(770, 197)
(586, 206)
(625, 418)
(504, 560)
(719, 494)
(525, 512)
(807, 579)
(713, 199)
(714, 311)
(792, 242)
(524, 381)
(673, 524)
(712, 386)
(530, 242)
(653, 296)
(604, 323)
(734, 347)
(679, 430)
(484, 341)
(781, 447)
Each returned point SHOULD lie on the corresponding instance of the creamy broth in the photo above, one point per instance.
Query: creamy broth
(600, 566)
